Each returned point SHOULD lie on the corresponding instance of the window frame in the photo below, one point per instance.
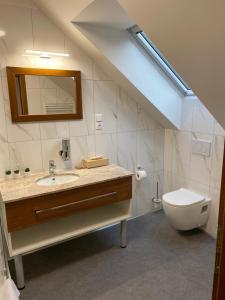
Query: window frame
(161, 61)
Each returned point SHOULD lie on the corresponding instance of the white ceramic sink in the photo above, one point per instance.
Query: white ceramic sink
(57, 179)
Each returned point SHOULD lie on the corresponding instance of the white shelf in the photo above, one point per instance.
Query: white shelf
(39, 236)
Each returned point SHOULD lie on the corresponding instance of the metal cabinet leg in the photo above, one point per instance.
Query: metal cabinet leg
(18, 260)
(123, 234)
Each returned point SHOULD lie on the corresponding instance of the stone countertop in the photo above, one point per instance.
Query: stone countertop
(26, 187)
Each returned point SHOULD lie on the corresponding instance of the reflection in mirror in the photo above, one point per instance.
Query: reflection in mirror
(44, 95)
(40, 94)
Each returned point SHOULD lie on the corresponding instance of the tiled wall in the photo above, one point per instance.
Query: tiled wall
(130, 136)
(197, 172)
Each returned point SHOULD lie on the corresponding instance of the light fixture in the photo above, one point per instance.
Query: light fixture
(45, 54)
(2, 33)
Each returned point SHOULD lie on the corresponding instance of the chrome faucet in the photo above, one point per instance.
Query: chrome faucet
(65, 152)
(52, 167)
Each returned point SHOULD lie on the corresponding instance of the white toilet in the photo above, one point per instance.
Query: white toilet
(185, 209)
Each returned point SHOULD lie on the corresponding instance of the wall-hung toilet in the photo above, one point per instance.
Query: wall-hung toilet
(185, 209)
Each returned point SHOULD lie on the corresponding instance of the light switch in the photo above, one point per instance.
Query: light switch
(98, 117)
(98, 122)
(201, 147)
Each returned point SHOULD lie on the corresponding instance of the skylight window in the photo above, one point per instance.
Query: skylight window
(152, 50)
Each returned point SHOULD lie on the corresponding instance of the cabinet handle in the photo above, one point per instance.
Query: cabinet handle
(71, 204)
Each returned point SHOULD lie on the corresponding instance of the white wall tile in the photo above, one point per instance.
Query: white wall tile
(212, 224)
(127, 112)
(134, 199)
(50, 151)
(91, 147)
(106, 144)
(86, 125)
(146, 152)
(79, 150)
(173, 182)
(187, 114)
(5, 88)
(54, 130)
(144, 121)
(105, 102)
(182, 153)
(198, 187)
(78, 60)
(167, 186)
(217, 161)
(169, 149)
(48, 130)
(62, 129)
(26, 155)
(3, 131)
(203, 121)
(126, 155)
(159, 138)
(144, 193)
(18, 132)
(201, 165)
(4, 159)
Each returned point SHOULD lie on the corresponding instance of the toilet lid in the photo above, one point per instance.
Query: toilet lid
(183, 197)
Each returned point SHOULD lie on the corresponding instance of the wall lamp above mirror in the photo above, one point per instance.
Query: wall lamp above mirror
(44, 94)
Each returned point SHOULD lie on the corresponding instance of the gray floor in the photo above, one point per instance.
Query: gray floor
(158, 264)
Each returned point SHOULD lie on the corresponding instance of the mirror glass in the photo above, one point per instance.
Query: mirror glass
(46, 95)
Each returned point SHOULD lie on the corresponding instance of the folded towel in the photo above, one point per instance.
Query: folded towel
(9, 291)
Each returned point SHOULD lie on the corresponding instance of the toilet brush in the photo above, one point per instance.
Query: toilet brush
(155, 200)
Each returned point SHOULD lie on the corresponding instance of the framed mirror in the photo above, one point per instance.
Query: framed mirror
(44, 94)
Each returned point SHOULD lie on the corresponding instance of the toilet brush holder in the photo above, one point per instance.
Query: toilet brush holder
(156, 203)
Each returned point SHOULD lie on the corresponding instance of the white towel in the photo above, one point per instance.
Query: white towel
(9, 291)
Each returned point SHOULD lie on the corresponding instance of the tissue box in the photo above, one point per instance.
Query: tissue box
(95, 162)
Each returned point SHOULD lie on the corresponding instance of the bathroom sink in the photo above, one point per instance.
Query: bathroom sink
(57, 179)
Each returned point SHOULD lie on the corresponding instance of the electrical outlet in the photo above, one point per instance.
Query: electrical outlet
(98, 126)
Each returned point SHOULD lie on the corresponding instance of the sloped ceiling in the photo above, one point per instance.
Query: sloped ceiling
(191, 35)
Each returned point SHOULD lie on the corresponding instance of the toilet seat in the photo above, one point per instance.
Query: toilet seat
(183, 198)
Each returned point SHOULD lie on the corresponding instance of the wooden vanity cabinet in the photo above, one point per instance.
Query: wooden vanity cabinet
(25, 213)
(33, 223)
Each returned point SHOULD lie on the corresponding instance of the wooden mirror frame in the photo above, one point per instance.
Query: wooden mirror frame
(12, 74)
